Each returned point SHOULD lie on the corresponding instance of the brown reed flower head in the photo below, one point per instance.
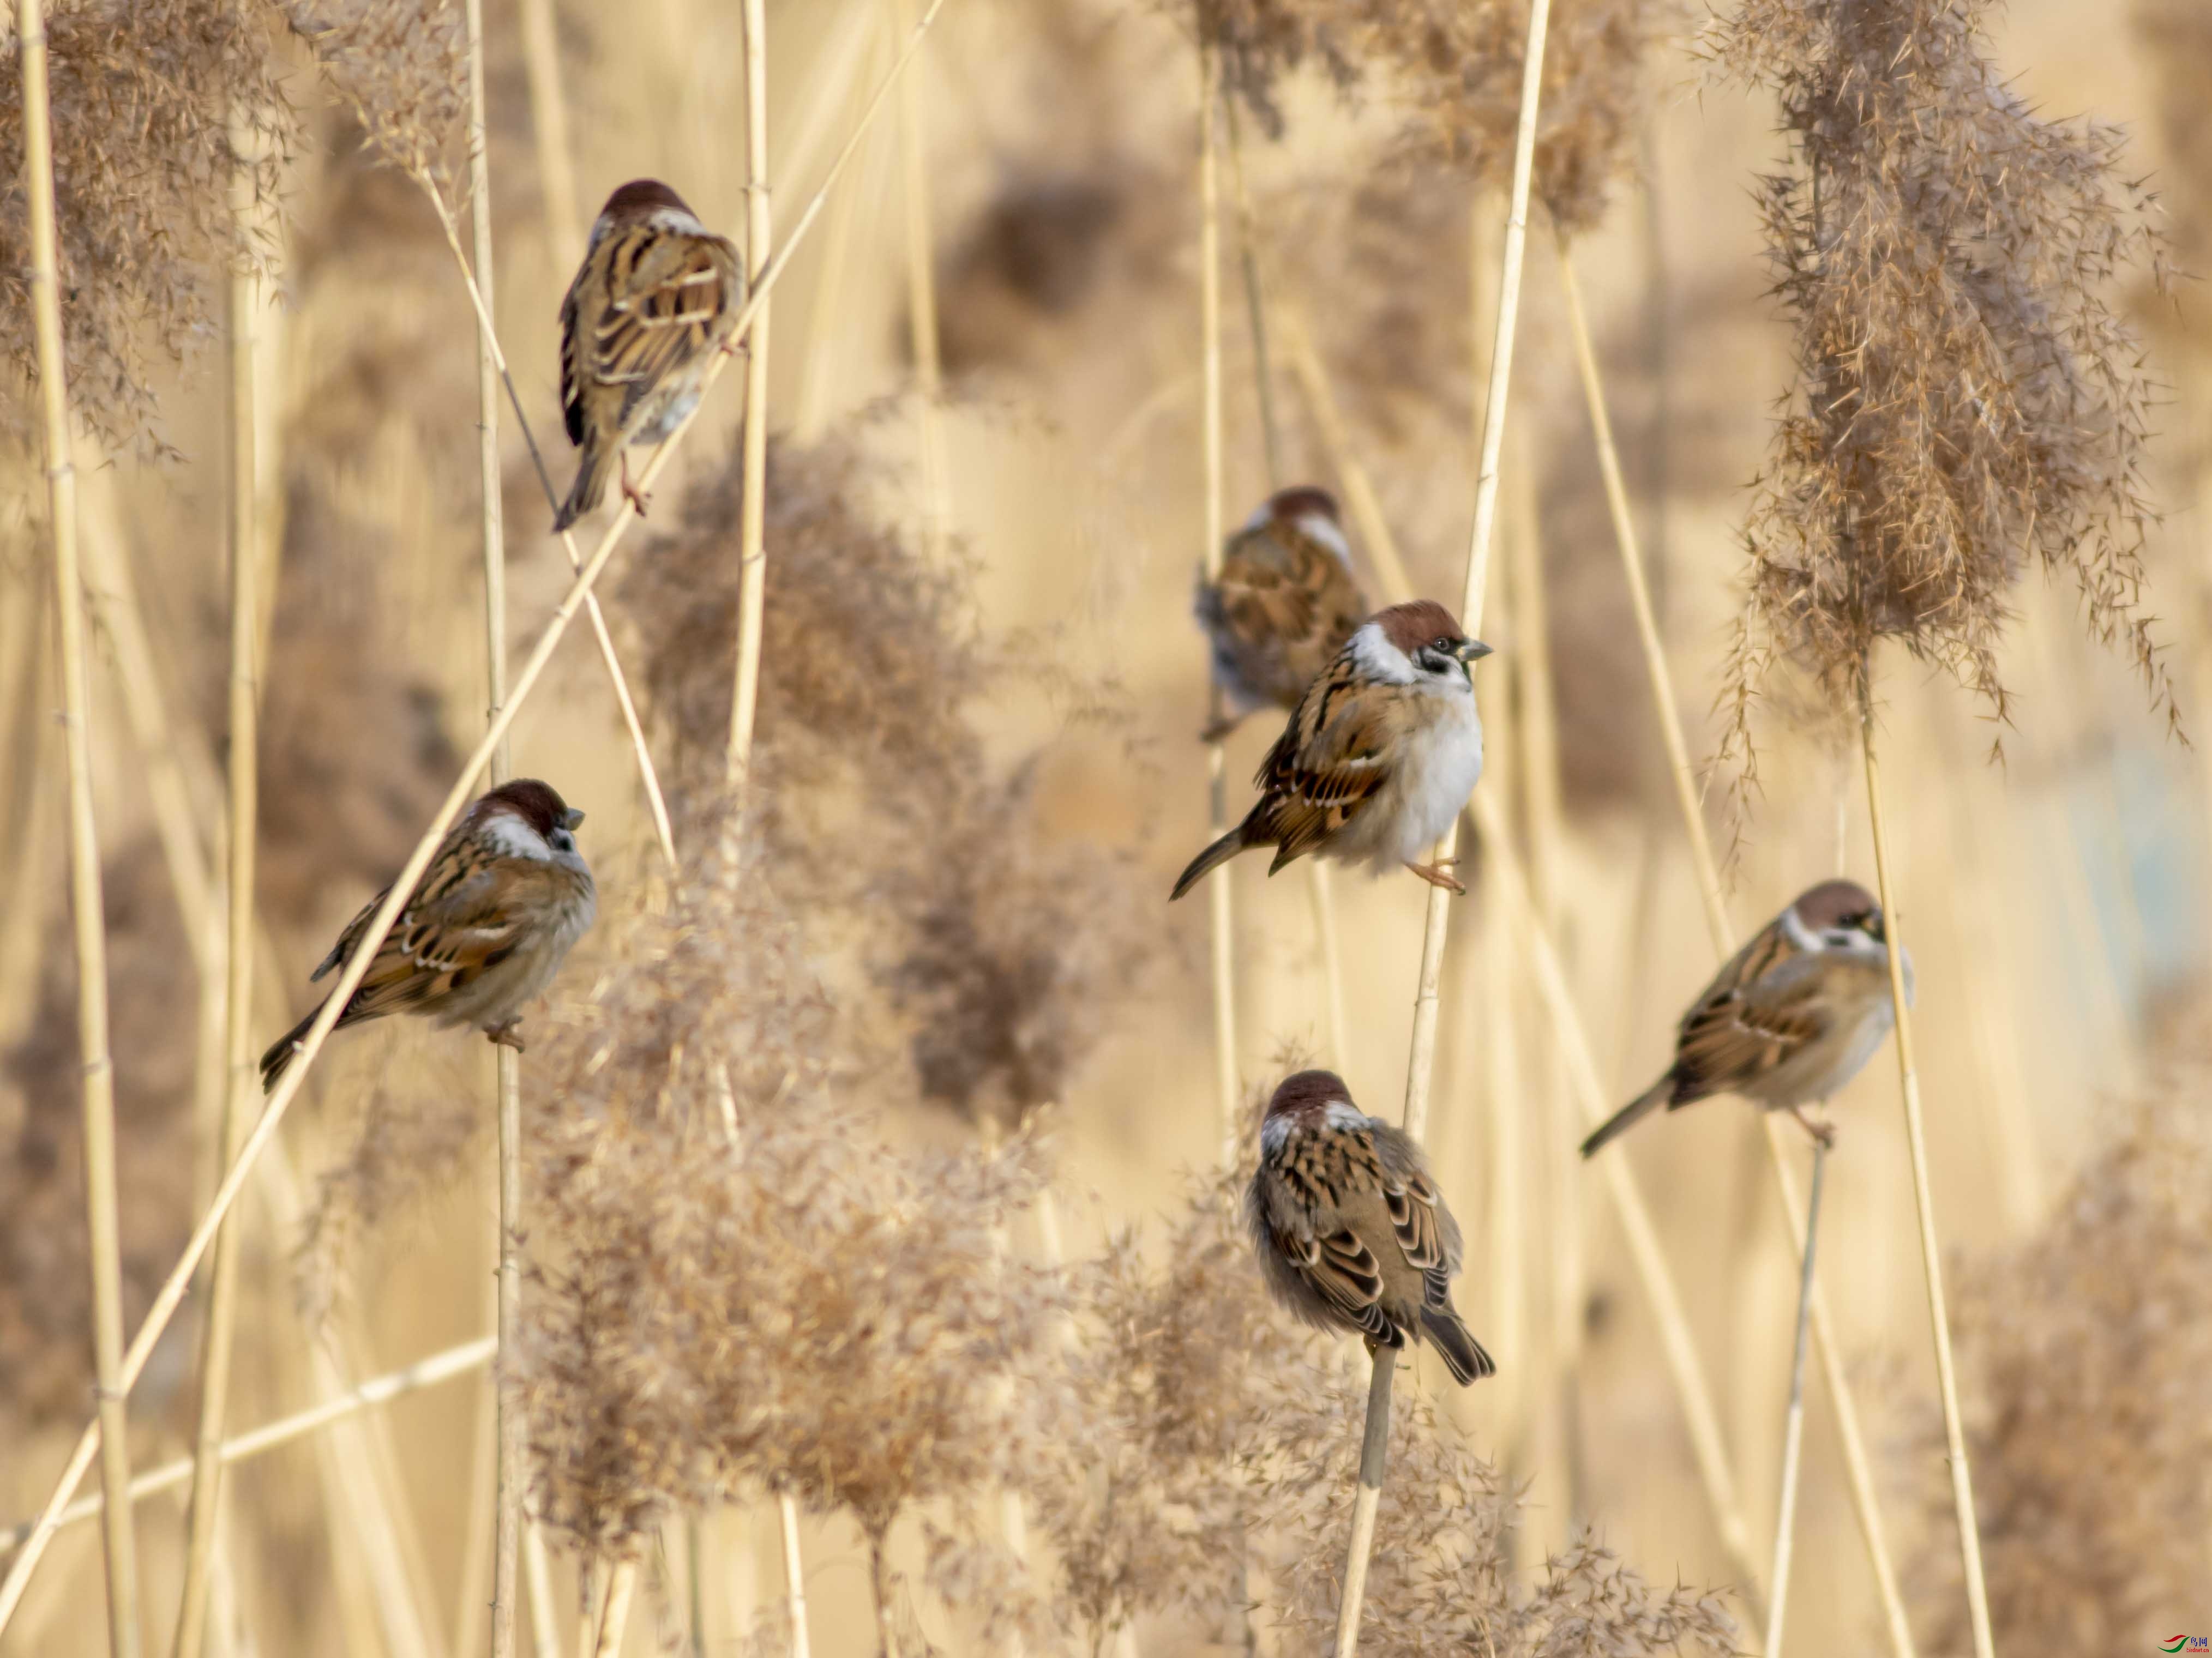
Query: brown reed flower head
(1016, 950)
(147, 97)
(1966, 399)
(402, 66)
(2085, 1352)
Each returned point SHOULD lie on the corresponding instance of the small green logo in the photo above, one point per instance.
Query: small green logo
(2186, 1644)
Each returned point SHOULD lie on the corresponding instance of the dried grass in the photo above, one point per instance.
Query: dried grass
(402, 67)
(1967, 398)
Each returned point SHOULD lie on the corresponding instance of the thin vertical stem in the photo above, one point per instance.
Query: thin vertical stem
(1374, 1454)
(1221, 915)
(1931, 1261)
(794, 1573)
(752, 512)
(548, 121)
(879, 1586)
(1793, 1431)
(1331, 961)
(241, 1090)
(621, 1588)
(1421, 1060)
(538, 1579)
(85, 894)
(1248, 251)
(922, 303)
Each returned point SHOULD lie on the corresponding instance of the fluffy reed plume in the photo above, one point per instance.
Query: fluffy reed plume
(402, 66)
(142, 91)
(738, 1290)
(2086, 1353)
(1016, 952)
(1966, 398)
(46, 1314)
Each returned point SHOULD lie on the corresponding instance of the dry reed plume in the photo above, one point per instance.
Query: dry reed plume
(1966, 399)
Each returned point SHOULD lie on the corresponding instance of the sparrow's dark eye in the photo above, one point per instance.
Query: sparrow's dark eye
(1443, 646)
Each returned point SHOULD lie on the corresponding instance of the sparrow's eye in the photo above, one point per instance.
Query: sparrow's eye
(1442, 646)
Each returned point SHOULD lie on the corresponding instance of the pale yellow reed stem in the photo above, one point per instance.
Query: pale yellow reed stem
(591, 1588)
(752, 510)
(1367, 1498)
(242, 1080)
(1350, 476)
(538, 1579)
(1923, 1198)
(480, 1526)
(86, 901)
(1332, 963)
(548, 121)
(921, 306)
(794, 1573)
(879, 1584)
(616, 1618)
(1220, 912)
(1793, 1430)
(172, 1292)
(1865, 1503)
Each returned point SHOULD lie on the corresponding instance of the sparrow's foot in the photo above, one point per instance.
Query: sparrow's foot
(1818, 1127)
(637, 498)
(507, 1035)
(1435, 876)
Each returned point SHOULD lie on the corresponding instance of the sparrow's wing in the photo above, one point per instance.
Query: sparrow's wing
(1273, 589)
(467, 916)
(1736, 1037)
(573, 365)
(1343, 1271)
(1327, 764)
(669, 299)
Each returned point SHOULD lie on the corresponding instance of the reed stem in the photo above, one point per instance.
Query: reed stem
(240, 1077)
(752, 512)
(1793, 1430)
(87, 903)
(794, 1573)
(879, 1587)
(1219, 909)
(172, 1292)
(1256, 308)
(1865, 1504)
(1931, 1261)
(1374, 1454)
(548, 122)
(615, 1620)
(538, 1579)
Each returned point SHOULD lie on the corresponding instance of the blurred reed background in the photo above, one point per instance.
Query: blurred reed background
(930, 981)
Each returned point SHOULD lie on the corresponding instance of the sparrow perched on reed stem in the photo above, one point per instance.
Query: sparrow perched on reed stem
(1795, 1016)
(1351, 1231)
(1383, 750)
(1283, 606)
(656, 297)
(504, 900)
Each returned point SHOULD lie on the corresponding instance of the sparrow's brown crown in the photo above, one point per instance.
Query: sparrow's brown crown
(1307, 1090)
(1288, 506)
(642, 196)
(1835, 903)
(534, 802)
(1420, 621)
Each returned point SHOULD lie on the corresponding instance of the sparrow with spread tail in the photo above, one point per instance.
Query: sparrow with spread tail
(504, 900)
(1382, 751)
(1351, 1231)
(1283, 606)
(655, 299)
(1793, 1017)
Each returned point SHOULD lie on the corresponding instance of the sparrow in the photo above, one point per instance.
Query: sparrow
(1350, 1231)
(504, 900)
(1283, 606)
(656, 297)
(1795, 1016)
(1384, 750)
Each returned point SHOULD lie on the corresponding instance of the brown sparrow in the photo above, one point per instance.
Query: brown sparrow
(1350, 1232)
(504, 900)
(655, 298)
(1793, 1017)
(1283, 606)
(1383, 750)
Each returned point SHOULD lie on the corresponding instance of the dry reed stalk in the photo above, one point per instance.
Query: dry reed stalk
(479, 1527)
(241, 1076)
(488, 336)
(172, 1292)
(794, 1573)
(1859, 1473)
(1221, 915)
(548, 124)
(85, 896)
(1328, 420)
(752, 512)
(1931, 1258)
(537, 1576)
(1793, 1429)
(1374, 1457)
(921, 306)
(615, 1620)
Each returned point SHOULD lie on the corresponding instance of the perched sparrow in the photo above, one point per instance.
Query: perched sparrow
(1283, 604)
(1383, 750)
(656, 296)
(1350, 1232)
(1792, 1018)
(504, 900)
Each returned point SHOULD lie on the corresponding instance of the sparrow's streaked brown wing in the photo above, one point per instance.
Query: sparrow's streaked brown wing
(1283, 594)
(669, 302)
(1736, 1034)
(1328, 763)
(1344, 1271)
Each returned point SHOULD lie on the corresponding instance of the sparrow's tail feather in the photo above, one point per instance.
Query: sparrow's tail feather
(1215, 855)
(278, 1059)
(1463, 1353)
(584, 495)
(1629, 1114)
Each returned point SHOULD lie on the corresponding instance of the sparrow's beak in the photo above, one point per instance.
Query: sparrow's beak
(1473, 650)
(573, 818)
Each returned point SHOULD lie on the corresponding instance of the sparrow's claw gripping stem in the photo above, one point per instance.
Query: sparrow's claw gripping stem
(507, 1034)
(1435, 876)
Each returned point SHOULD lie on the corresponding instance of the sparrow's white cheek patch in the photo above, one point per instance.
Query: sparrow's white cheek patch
(1323, 529)
(511, 837)
(1378, 658)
